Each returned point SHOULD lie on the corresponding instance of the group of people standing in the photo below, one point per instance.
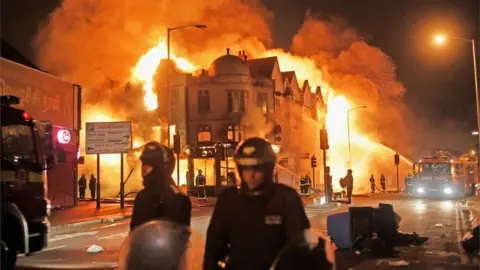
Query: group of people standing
(251, 224)
(372, 183)
(82, 186)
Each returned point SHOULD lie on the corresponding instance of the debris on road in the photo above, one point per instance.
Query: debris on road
(398, 263)
(441, 253)
(95, 249)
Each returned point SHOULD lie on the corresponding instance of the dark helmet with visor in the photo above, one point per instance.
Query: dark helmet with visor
(159, 157)
(256, 153)
(155, 245)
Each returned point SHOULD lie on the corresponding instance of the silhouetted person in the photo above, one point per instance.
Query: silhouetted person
(82, 186)
(328, 184)
(92, 185)
(160, 198)
(200, 182)
(372, 183)
(349, 183)
(382, 182)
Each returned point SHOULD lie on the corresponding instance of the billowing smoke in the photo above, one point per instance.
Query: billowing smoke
(96, 43)
(355, 69)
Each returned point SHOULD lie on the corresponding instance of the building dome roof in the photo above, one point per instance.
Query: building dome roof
(228, 65)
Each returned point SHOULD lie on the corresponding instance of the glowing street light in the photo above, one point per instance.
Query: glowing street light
(440, 39)
(475, 133)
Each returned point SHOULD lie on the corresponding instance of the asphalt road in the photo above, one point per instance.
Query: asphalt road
(445, 222)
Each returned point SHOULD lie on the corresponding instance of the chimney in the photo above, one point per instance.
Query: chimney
(245, 57)
(228, 51)
(239, 53)
(243, 52)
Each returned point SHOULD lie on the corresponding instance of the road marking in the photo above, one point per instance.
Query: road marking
(201, 217)
(124, 234)
(460, 231)
(68, 236)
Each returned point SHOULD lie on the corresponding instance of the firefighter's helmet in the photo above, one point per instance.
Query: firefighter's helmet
(155, 245)
(158, 156)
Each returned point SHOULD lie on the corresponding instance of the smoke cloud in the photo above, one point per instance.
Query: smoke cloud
(96, 43)
(362, 73)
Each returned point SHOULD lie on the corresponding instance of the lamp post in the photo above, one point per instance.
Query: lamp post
(440, 39)
(168, 75)
(348, 130)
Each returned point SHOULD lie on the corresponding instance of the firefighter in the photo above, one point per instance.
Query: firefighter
(372, 183)
(348, 179)
(252, 223)
(382, 182)
(142, 251)
(308, 184)
(160, 198)
(82, 186)
(200, 181)
(328, 184)
(302, 186)
(92, 185)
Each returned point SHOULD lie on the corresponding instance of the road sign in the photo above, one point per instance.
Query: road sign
(108, 137)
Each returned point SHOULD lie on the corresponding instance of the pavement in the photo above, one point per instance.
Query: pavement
(445, 222)
(86, 214)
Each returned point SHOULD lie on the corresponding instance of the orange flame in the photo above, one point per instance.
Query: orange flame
(365, 150)
(146, 67)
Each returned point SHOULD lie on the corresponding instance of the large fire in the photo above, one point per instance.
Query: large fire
(146, 67)
(333, 56)
(363, 149)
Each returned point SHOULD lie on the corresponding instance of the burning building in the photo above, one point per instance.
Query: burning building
(237, 98)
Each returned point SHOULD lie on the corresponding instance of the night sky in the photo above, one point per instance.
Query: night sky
(439, 81)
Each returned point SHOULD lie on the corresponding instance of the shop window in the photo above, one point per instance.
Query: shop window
(204, 134)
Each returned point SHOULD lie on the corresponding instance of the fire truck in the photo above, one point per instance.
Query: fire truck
(27, 151)
(466, 170)
(435, 176)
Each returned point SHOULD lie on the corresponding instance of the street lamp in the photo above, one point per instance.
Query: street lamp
(348, 129)
(201, 26)
(440, 39)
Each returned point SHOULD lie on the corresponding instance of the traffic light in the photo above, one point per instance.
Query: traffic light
(314, 161)
(324, 139)
(176, 143)
(397, 159)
